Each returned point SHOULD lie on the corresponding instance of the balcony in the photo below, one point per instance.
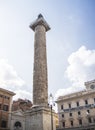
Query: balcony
(88, 106)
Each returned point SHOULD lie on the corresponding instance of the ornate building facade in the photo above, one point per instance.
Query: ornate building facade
(5, 107)
(77, 110)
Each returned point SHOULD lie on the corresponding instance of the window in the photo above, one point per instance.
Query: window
(4, 124)
(79, 113)
(94, 120)
(69, 105)
(80, 121)
(77, 104)
(6, 97)
(70, 114)
(17, 124)
(61, 107)
(63, 115)
(86, 102)
(94, 100)
(89, 120)
(5, 107)
(63, 124)
(88, 111)
(1, 95)
(71, 123)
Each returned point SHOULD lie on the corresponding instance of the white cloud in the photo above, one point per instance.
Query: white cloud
(10, 80)
(80, 69)
(23, 94)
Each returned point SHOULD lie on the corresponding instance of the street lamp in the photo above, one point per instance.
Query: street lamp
(51, 103)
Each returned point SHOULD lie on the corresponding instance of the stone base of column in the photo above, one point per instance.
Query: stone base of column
(39, 118)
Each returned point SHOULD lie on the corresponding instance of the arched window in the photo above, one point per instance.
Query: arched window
(17, 124)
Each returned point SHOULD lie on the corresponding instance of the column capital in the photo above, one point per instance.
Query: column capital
(40, 21)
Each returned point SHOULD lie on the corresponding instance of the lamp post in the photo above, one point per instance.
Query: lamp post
(51, 103)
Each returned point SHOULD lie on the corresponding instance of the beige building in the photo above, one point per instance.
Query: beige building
(77, 110)
(5, 107)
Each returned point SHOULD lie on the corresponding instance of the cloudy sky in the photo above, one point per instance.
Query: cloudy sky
(70, 44)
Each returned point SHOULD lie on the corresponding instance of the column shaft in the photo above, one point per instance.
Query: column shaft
(40, 81)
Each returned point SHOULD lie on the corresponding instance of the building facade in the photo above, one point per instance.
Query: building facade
(21, 104)
(77, 110)
(17, 120)
(5, 107)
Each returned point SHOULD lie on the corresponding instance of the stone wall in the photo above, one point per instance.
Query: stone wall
(17, 116)
(40, 119)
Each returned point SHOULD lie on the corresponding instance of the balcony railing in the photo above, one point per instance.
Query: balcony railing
(88, 106)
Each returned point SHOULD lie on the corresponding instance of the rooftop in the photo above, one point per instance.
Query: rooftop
(7, 91)
(75, 94)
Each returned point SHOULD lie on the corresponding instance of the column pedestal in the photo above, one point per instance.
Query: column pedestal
(39, 118)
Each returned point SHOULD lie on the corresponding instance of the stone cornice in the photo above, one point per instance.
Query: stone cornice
(75, 95)
(7, 91)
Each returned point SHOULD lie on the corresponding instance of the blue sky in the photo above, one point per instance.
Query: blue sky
(70, 44)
